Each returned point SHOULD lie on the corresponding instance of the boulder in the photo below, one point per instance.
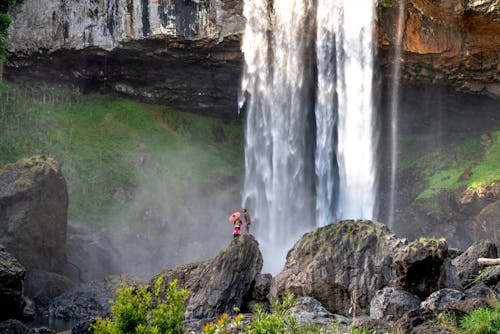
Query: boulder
(89, 300)
(310, 311)
(11, 286)
(42, 286)
(219, 284)
(337, 264)
(467, 265)
(391, 303)
(439, 299)
(34, 212)
(418, 266)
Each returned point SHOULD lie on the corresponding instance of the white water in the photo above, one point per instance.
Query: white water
(297, 169)
(394, 106)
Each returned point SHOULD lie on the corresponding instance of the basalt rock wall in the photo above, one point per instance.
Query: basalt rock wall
(186, 53)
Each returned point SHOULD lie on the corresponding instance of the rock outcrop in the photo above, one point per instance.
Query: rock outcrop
(221, 283)
(419, 265)
(338, 264)
(467, 265)
(11, 286)
(34, 213)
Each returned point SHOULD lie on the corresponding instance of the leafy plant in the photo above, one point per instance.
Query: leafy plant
(140, 311)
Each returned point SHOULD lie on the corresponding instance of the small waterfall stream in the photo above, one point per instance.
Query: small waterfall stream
(307, 92)
(394, 106)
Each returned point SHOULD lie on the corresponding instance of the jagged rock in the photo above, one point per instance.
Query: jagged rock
(42, 286)
(419, 265)
(335, 263)
(89, 300)
(467, 265)
(34, 213)
(261, 287)
(491, 276)
(11, 286)
(391, 303)
(221, 283)
(437, 300)
(309, 310)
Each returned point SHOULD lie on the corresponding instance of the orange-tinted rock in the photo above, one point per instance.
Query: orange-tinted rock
(446, 40)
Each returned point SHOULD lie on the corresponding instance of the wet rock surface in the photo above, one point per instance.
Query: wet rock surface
(221, 283)
(34, 213)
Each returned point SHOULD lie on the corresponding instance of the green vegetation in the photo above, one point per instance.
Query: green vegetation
(484, 320)
(137, 310)
(469, 161)
(121, 158)
(279, 320)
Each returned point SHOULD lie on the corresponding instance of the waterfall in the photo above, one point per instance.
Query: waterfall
(394, 106)
(306, 90)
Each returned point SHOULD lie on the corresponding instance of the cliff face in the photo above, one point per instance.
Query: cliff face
(73, 24)
(186, 53)
(450, 41)
(179, 52)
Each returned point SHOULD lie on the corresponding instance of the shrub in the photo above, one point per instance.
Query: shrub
(138, 310)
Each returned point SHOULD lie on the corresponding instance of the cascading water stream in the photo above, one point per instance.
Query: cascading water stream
(394, 106)
(306, 89)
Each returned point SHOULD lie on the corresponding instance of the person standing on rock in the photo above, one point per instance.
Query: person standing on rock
(235, 219)
(247, 220)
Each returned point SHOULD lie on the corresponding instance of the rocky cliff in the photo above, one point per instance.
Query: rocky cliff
(186, 53)
(179, 52)
(449, 41)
